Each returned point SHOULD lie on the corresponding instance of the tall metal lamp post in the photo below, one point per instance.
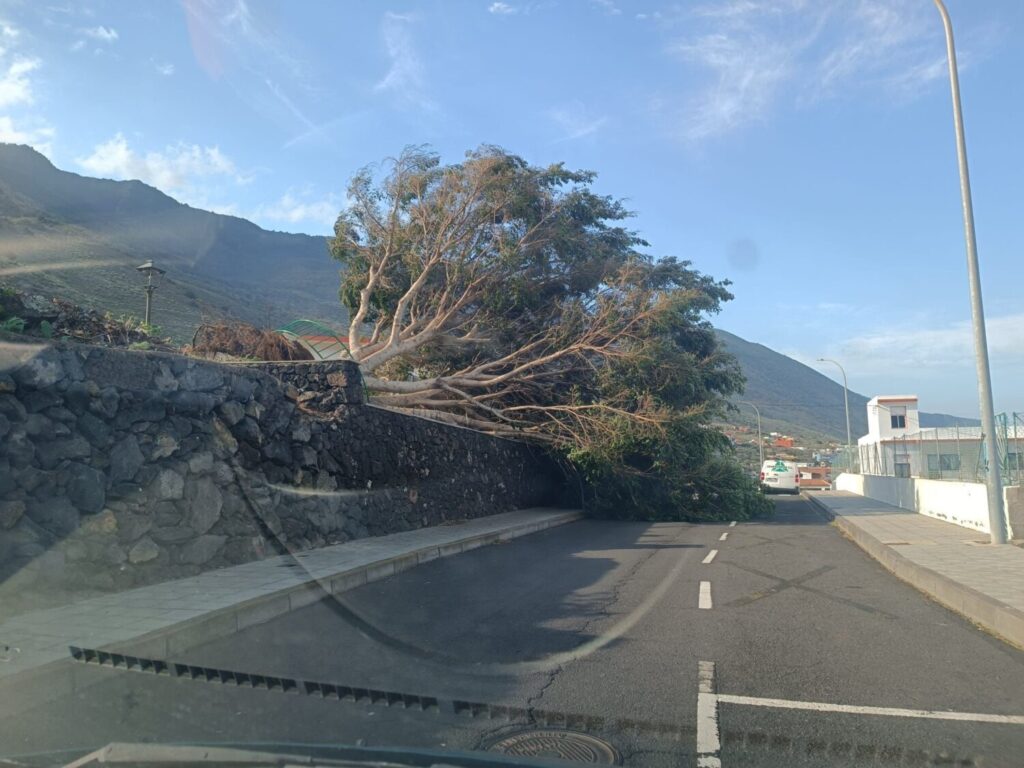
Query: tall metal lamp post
(760, 443)
(152, 274)
(846, 399)
(996, 517)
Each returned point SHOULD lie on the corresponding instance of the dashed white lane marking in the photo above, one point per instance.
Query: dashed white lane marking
(817, 706)
(704, 601)
(710, 556)
(724, 536)
(732, 524)
(708, 743)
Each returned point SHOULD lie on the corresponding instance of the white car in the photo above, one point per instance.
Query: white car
(778, 476)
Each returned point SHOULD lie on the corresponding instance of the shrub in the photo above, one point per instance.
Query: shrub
(245, 341)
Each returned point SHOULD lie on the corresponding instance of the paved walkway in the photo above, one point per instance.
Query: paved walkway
(171, 616)
(955, 565)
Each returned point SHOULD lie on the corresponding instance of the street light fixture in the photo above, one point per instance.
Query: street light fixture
(152, 274)
(846, 400)
(996, 518)
(760, 443)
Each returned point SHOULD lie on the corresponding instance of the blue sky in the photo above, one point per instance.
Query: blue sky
(801, 148)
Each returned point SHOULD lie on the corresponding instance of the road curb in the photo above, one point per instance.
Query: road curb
(993, 616)
(66, 677)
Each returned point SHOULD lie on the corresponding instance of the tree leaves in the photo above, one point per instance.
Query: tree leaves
(513, 299)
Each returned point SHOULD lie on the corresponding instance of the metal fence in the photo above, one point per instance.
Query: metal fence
(942, 453)
(846, 460)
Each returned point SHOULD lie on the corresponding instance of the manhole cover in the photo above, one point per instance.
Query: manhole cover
(563, 745)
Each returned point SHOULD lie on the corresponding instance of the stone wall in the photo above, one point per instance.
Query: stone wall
(120, 468)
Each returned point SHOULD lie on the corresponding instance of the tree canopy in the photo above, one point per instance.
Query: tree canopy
(513, 299)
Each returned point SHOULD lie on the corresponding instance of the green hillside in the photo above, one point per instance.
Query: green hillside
(81, 238)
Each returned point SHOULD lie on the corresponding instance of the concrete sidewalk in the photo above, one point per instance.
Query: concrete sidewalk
(956, 566)
(165, 619)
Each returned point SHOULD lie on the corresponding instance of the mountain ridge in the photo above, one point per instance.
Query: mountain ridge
(127, 222)
(80, 238)
(785, 390)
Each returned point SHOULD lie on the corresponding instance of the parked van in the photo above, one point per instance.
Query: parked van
(778, 476)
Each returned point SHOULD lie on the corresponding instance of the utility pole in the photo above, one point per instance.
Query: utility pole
(996, 517)
(846, 399)
(760, 443)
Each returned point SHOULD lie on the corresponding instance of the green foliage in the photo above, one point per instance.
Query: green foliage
(687, 470)
(46, 329)
(13, 325)
(541, 317)
(140, 345)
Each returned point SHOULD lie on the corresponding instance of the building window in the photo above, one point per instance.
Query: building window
(901, 464)
(898, 416)
(943, 462)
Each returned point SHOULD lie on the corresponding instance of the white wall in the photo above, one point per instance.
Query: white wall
(964, 504)
(1013, 497)
(898, 491)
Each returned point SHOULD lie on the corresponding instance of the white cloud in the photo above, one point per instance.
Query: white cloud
(177, 169)
(101, 33)
(166, 68)
(924, 73)
(405, 77)
(746, 75)
(608, 6)
(39, 136)
(756, 53)
(78, 45)
(300, 208)
(939, 349)
(15, 86)
(575, 122)
(502, 9)
(244, 48)
(8, 31)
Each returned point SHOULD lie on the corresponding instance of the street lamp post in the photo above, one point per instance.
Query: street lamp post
(149, 270)
(760, 443)
(846, 400)
(996, 518)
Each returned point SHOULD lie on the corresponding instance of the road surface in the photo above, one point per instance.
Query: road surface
(787, 646)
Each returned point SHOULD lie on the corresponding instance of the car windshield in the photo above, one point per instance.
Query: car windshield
(463, 382)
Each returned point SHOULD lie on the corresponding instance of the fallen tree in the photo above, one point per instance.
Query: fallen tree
(511, 299)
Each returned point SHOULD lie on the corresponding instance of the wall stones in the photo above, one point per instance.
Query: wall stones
(127, 468)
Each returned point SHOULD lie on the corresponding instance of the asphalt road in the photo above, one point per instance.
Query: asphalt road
(598, 626)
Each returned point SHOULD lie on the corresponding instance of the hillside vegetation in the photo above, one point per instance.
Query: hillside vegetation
(81, 238)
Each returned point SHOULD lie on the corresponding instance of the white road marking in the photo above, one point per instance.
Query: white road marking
(708, 743)
(724, 536)
(732, 524)
(817, 706)
(710, 556)
(705, 596)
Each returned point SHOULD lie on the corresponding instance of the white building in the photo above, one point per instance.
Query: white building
(896, 446)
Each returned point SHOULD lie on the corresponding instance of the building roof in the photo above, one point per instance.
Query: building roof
(892, 399)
